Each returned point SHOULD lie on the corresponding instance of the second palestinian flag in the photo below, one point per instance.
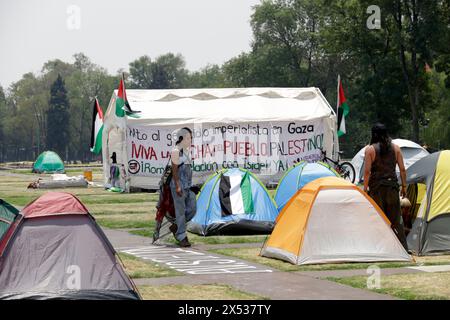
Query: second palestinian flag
(342, 108)
(235, 194)
(122, 106)
(97, 128)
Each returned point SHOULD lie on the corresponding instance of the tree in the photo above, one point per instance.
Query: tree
(141, 73)
(27, 102)
(266, 66)
(86, 82)
(166, 72)
(293, 26)
(58, 117)
(210, 76)
(435, 128)
(3, 114)
(418, 26)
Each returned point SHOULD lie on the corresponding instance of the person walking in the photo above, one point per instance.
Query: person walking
(380, 178)
(180, 185)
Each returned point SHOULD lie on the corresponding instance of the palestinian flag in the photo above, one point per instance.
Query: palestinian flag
(342, 108)
(235, 195)
(97, 128)
(122, 106)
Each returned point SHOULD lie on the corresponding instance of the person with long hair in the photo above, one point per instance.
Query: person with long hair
(181, 185)
(380, 178)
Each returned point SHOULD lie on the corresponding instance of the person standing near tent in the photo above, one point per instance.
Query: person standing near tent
(380, 179)
(181, 184)
(114, 172)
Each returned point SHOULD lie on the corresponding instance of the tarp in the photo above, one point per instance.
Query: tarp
(210, 220)
(57, 251)
(331, 220)
(411, 153)
(431, 229)
(61, 181)
(48, 162)
(261, 129)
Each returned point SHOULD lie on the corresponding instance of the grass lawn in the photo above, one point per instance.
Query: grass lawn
(136, 211)
(417, 286)
(195, 292)
(127, 221)
(112, 210)
(252, 254)
(137, 268)
(196, 239)
(69, 171)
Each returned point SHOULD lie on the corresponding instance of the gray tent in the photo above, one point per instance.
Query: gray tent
(55, 250)
(430, 233)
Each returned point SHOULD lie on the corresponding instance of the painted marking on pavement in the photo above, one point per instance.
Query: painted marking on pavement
(190, 261)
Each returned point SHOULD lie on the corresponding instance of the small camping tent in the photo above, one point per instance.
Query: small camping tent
(411, 152)
(48, 162)
(56, 250)
(8, 214)
(430, 232)
(249, 124)
(332, 220)
(298, 176)
(233, 201)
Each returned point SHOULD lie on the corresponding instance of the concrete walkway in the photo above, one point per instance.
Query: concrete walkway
(276, 285)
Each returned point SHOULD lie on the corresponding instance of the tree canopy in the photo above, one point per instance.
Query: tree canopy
(398, 74)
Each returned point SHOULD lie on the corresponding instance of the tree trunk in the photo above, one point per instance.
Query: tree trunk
(410, 80)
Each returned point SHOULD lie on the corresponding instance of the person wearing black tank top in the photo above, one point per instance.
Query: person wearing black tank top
(380, 178)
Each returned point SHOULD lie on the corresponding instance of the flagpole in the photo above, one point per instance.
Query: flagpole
(337, 116)
(337, 92)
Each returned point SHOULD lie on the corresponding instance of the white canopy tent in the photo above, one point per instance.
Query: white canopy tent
(295, 123)
(411, 152)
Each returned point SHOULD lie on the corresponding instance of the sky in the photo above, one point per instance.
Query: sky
(112, 33)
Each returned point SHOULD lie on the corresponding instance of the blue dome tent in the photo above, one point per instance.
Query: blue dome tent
(297, 176)
(233, 201)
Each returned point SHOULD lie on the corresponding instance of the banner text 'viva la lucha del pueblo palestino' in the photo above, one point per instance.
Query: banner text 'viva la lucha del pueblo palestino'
(264, 130)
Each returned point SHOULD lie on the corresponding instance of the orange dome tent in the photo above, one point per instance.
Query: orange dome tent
(331, 220)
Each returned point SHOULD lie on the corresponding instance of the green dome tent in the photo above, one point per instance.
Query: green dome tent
(48, 161)
(8, 214)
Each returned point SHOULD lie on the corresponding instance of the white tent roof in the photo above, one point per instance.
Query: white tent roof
(227, 105)
(411, 152)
